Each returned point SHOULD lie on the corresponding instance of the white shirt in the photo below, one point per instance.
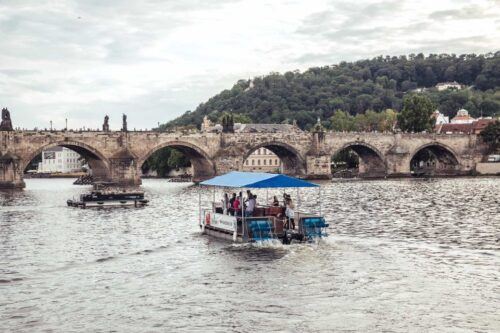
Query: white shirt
(250, 205)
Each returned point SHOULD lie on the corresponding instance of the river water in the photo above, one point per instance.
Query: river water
(402, 256)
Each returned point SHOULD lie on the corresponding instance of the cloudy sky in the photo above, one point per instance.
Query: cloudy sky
(155, 59)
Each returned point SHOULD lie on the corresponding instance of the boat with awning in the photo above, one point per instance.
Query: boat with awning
(239, 218)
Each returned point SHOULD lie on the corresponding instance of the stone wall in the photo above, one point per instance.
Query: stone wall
(488, 168)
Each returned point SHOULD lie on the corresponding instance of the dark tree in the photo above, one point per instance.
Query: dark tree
(416, 114)
(491, 135)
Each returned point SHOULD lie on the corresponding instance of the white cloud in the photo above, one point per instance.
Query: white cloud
(156, 59)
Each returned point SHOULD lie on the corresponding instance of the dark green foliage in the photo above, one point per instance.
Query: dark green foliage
(165, 160)
(236, 118)
(477, 102)
(369, 121)
(416, 114)
(491, 135)
(227, 121)
(356, 87)
(347, 156)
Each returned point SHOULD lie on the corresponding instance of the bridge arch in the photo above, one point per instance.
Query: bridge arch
(203, 166)
(96, 160)
(434, 158)
(372, 163)
(293, 163)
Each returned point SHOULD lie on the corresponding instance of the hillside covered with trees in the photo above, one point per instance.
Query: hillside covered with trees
(365, 88)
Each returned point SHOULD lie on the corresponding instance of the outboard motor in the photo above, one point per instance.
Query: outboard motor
(291, 235)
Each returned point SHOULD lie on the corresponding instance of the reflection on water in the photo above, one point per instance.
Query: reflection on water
(403, 256)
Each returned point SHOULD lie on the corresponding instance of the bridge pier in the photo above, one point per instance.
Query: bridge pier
(370, 167)
(11, 175)
(123, 169)
(318, 167)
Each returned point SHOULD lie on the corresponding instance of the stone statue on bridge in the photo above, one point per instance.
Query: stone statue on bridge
(105, 126)
(124, 125)
(6, 124)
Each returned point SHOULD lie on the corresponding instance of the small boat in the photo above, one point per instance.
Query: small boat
(265, 222)
(105, 196)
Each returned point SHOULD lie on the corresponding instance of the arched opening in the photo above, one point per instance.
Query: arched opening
(177, 159)
(274, 158)
(67, 158)
(358, 160)
(433, 160)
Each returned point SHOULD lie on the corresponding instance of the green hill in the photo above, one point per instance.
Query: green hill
(357, 87)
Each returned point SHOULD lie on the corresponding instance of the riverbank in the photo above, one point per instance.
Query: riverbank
(54, 175)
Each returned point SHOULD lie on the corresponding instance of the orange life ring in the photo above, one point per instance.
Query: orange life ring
(207, 218)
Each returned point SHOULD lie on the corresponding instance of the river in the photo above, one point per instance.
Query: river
(402, 256)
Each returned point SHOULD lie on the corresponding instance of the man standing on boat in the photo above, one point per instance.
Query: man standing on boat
(250, 206)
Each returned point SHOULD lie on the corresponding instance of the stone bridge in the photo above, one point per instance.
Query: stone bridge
(118, 156)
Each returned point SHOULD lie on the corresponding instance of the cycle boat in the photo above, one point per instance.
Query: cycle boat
(266, 222)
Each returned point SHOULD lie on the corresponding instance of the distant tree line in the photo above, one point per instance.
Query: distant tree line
(364, 87)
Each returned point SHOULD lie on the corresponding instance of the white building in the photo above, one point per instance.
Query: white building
(448, 85)
(462, 117)
(60, 159)
(440, 118)
(264, 160)
(206, 125)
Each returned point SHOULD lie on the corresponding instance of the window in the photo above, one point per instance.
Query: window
(276, 162)
(258, 162)
(49, 155)
(253, 162)
(264, 162)
(270, 162)
(246, 162)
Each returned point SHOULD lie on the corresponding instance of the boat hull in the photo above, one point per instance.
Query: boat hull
(108, 203)
(222, 234)
(255, 229)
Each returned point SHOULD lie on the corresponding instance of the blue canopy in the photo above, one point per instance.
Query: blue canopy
(256, 180)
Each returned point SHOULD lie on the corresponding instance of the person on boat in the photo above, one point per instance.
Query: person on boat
(225, 204)
(276, 202)
(285, 198)
(250, 206)
(249, 195)
(290, 212)
(236, 206)
(231, 203)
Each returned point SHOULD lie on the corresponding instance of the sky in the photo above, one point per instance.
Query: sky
(153, 60)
